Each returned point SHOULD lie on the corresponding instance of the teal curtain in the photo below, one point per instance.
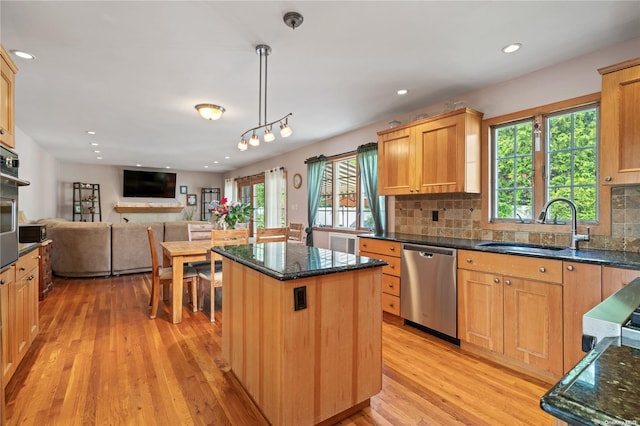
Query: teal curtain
(368, 163)
(315, 169)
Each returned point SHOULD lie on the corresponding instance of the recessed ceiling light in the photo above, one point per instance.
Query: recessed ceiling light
(23, 55)
(94, 143)
(99, 158)
(91, 132)
(97, 151)
(402, 92)
(206, 167)
(167, 167)
(227, 157)
(216, 162)
(138, 165)
(513, 47)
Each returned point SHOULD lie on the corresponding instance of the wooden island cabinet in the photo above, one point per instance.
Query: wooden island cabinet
(302, 329)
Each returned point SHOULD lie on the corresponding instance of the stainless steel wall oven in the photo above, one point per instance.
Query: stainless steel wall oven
(9, 183)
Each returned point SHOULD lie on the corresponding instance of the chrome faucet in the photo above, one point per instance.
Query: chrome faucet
(575, 237)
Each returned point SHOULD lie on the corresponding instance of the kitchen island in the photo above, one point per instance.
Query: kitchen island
(302, 329)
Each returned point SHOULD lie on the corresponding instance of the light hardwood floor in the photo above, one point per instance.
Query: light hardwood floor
(99, 359)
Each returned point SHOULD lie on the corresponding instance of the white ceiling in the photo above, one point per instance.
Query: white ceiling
(133, 70)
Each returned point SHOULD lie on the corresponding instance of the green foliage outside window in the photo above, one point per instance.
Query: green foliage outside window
(571, 165)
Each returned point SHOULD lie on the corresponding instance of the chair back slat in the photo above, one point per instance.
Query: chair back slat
(200, 231)
(296, 232)
(154, 252)
(270, 235)
(229, 237)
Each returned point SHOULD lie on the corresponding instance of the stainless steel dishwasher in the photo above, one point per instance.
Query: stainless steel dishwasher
(428, 288)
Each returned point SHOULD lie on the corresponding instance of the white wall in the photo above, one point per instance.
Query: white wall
(51, 191)
(39, 199)
(51, 178)
(570, 79)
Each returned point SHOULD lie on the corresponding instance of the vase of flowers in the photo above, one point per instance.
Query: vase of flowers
(229, 213)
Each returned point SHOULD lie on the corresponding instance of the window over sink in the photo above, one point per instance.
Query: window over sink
(541, 154)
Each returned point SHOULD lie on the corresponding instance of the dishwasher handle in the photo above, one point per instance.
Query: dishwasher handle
(429, 251)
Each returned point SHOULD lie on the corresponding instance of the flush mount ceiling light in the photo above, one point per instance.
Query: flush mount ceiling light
(23, 55)
(210, 111)
(513, 47)
(285, 131)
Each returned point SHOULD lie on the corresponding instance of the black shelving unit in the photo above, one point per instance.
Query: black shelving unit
(206, 197)
(86, 202)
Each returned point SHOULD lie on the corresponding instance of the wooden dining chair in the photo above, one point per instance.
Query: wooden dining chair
(296, 232)
(211, 277)
(164, 276)
(271, 235)
(200, 231)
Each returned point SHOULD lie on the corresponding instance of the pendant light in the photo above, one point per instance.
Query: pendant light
(263, 51)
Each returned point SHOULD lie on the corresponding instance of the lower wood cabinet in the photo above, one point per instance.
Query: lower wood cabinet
(388, 251)
(581, 290)
(19, 311)
(613, 279)
(46, 277)
(519, 317)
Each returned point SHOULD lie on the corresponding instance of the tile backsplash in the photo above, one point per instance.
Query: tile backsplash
(460, 216)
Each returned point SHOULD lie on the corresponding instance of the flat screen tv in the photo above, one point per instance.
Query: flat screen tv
(138, 183)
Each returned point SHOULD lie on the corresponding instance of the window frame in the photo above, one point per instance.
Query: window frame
(603, 224)
(359, 196)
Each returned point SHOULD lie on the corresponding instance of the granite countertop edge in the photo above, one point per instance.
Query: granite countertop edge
(370, 263)
(602, 257)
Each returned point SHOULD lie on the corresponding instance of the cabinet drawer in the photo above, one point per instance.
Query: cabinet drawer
(393, 267)
(539, 269)
(391, 304)
(26, 264)
(8, 275)
(390, 248)
(391, 284)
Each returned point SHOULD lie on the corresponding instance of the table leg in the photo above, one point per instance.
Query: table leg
(178, 264)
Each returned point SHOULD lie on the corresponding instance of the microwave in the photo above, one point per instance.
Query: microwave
(32, 233)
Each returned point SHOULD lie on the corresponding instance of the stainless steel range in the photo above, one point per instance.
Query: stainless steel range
(9, 183)
(616, 316)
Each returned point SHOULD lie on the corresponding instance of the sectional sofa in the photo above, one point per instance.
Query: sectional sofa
(90, 249)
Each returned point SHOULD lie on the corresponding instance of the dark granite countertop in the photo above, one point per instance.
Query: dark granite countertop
(603, 257)
(290, 261)
(602, 389)
(24, 248)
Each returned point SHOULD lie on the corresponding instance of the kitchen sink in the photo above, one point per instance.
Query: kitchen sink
(520, 247)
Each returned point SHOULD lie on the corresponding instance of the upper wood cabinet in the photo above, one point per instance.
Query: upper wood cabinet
(619, 124)
(440, 154)
(8, 71)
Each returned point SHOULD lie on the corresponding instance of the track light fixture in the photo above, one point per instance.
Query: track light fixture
(285, 131)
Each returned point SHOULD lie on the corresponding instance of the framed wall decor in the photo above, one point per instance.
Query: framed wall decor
(183, 189)
(297, 180)
(191, 199)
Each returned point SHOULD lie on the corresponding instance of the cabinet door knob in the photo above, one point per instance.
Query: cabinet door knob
(507, 282)
(391, 305)
(607, 178)
(469, 260)
(390, 285)
(570, 268)
(392, 248)
(1, 131)
(2, 282)
(22, 269)
(542, 269)
(31, 277)
(496, 280)
(364, 245)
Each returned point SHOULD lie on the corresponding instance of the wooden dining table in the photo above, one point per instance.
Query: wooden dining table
(177, 254)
